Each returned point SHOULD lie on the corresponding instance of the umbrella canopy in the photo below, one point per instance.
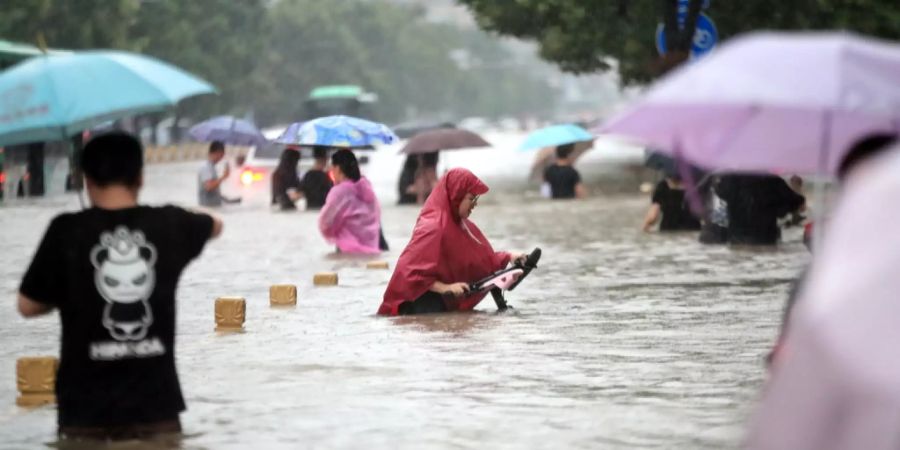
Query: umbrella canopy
(14, 52)
(443, 139)
(229, 130)
(53, 97)
(410, 129)
(340, 131)
(289, 135)
(792, 102)
(556, 135)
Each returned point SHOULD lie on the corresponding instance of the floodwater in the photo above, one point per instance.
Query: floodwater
(618, 340)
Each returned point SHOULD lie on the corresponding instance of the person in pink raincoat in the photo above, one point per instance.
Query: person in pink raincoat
(351, 217)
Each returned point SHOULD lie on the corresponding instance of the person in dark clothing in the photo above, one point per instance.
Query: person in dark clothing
(755, 202)
(316, 183)
(668, 201)
(285, 182)
(112, 272)
(405, 196)
(426, 176)
(563, 179)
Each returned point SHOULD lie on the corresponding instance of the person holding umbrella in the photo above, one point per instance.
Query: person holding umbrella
(209, 193)
(316, 183)
(563, 179)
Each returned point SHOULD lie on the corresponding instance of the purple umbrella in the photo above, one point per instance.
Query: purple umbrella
(791, 102)
(836, 383)
(229, 130)
(443, 139)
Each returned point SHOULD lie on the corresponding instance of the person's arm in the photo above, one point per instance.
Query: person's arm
(30, 308)
(580, 190)
(457, 289)
(43, 285)
(652, 217)
(213, 183)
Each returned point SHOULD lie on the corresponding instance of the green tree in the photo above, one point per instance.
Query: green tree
(599, 35)
(74, 24)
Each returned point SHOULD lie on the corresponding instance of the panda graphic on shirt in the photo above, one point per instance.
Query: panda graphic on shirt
(125, 277)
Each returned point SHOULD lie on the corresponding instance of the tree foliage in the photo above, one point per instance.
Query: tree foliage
(600, 35)
(265, 56)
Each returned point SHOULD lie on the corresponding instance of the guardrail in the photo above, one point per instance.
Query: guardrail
(185, 152)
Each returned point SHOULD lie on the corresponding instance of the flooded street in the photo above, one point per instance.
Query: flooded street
(618, 340)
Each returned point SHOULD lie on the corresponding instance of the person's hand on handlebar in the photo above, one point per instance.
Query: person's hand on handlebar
(457, 289)
(517, 258)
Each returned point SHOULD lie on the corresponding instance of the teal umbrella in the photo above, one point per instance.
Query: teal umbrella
(51, 98)
(556, 135)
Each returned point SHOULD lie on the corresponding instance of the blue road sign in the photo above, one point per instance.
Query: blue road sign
(706, 36)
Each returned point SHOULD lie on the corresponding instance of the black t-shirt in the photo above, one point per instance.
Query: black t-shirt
(281, 182)
(676, 214)
(315, 187)
(563, 180)
(112, 274)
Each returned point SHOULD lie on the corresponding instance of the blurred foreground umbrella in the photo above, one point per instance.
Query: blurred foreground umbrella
(443, 139)
(229, 130)
(836, 382)
(51, 98)
(556, 135)
(339, 131)
(788, 102)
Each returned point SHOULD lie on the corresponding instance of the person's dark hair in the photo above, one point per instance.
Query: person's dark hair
(563, 151)
(430, 159)
(113, 158)
(287, 163)
(320, 151)
(346, 160)
(864, 149)
(216, 146)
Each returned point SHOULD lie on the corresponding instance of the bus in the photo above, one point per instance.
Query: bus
(348, 100)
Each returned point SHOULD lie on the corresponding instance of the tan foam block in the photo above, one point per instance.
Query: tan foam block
(325, 279)
(378, 265)
(36, 380)
(230, 313)
(283, 295)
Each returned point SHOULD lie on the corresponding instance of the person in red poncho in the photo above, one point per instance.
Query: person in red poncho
(447, 251)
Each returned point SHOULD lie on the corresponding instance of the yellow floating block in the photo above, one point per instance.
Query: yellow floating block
(230, 313)
(36, 380)
(377, 265)
(283, 295)
(325, 279)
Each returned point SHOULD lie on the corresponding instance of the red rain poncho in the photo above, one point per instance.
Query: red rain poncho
(442, 250)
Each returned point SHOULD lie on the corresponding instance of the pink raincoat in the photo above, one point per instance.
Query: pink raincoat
(351, 217)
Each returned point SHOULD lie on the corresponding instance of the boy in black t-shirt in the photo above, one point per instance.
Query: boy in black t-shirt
(564, 180)
(316, 183)
(112, 271)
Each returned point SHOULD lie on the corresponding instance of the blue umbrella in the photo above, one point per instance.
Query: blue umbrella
(53, 97)
(289, 135)
(556, 135)
(229, 130)
(341, 131)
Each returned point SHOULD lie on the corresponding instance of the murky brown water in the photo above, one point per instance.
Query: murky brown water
(618, 340)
